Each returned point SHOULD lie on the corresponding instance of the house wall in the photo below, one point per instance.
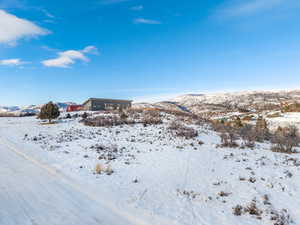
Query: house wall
(87, 106)
(97, 105)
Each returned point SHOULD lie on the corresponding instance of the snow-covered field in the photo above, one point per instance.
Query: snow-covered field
(164, 178)
(288, 119)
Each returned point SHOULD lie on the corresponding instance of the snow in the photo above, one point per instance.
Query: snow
(287, 119)
(32, 109)
(32, 193)
(162, 178)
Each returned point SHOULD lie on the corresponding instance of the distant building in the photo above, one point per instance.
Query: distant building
(97, 104)
(73, 108)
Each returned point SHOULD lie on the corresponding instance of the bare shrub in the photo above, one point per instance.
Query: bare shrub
(238, 210)
(228, 136)
(200, 121)
(200, 142)
(152, 113)
(106, 121)
(293, 107)
(285, 140)
(190, 195)
(247, 118)
(174, 125)
(151, 118)
(101, 121)
(179, 113)
(252, 209)
(187, 132)
(224, 194)
(281, 218)
(123, 116)
(248, 135)
(131, 112)
(261, 129)
(230, 132)
(181, 130)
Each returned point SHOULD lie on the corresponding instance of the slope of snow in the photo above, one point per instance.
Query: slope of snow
(288, 119)
(5, 109)
(34, 193)
(166, 178)
(32, 109)
(251, 101)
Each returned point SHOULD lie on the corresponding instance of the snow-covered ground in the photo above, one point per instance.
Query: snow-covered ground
(167, 179)
(33, 193)
(287, 119)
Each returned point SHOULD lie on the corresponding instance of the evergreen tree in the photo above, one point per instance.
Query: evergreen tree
(49, 111)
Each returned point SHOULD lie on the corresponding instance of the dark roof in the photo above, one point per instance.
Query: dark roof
(108, 100)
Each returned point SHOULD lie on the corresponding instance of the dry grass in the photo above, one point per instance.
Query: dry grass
(274, 115)
(8, 115)
(48, 123)
(109, 170)
(99, 168)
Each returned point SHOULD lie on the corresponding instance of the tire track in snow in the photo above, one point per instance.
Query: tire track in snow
(66, 180)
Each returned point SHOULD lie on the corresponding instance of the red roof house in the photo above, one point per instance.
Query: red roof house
(73, 108)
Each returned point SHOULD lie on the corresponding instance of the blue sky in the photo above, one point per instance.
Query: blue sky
(145, 50)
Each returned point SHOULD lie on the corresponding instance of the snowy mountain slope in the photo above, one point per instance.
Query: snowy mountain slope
(228, 102)
(235, 100)
(32, 109)
(160, 105)
(4, 109)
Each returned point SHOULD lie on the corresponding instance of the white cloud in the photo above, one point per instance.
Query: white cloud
(240, 8)
(13, 28)
(67, 58)
(12, 62)
(137, 8)
(48, 14)
(91, 49)
(145, 21)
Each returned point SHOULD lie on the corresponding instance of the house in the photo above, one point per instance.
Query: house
(73, 108)
(97, 104)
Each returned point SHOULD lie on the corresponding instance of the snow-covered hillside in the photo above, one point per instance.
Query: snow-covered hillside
(227, 102)
(31, 109)
(168, 179)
